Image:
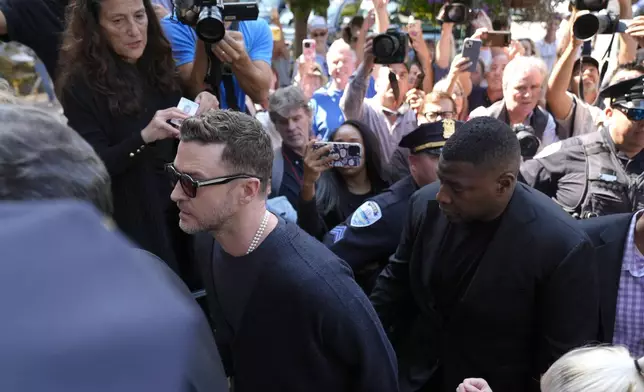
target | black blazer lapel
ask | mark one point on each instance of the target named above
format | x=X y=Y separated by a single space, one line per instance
x=609 y=261
x=426 y=247
x=518 y=213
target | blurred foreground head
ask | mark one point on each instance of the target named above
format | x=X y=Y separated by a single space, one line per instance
x=43 y=159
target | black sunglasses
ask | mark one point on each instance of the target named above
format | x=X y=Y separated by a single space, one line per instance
x=190 y=185
x=633 y=114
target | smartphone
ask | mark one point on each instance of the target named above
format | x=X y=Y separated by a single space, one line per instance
x=344 y=154
x=308 y=49
x=497 y=39
x=277 y=33
x=472 y=50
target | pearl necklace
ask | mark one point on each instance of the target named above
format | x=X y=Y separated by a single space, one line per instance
x=258 y=234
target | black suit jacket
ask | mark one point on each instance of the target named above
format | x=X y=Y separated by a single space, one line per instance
x=532 y=298
x=608 y=234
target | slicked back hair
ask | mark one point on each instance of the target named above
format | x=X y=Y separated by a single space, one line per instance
x=484 y=142
x=43 y=159
x=247 y=147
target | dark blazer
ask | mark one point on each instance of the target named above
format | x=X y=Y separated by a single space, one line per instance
x=84 y=311
x=532 y=298
x=608 y=234
x=306 y=326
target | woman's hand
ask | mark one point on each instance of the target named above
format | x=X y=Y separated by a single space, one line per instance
x=515 y=50
x=206 y=102
x=459 y=65
x=159 y=129
x=315 y=163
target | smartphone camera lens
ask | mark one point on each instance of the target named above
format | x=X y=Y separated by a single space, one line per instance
x=307 y=45
x=354 y=151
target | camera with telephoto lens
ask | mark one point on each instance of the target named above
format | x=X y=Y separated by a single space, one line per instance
x=588 y=25
x=208 y=16
x=528 y=141
x=390 y=47
x=457 y=13
x=589 y=5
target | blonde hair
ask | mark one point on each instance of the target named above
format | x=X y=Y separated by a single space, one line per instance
x=595 y=369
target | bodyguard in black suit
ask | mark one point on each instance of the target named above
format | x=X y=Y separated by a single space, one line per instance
x=609 y=235
x=491 y=278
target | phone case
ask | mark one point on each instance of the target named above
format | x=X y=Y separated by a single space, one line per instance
x=472 y=50
x=309 y=53
x=348 y=154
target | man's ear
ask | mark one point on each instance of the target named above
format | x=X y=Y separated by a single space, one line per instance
x=505 y=182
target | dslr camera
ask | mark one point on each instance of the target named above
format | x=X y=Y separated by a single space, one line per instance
x=528 y=141
x=208 y=16
x=602 y=22
x=457 y=13
x=390 y=47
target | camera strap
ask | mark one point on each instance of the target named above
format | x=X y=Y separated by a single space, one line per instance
x=220 y=73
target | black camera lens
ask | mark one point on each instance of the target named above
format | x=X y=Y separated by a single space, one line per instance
x=455 y=13
x=385 y=46
x=210 y=27
x=307 y=45
x=354 y=151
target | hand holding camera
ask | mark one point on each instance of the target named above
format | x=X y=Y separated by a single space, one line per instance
x=231 y=48
x=389 y=47
x=159 y=128
x=415 y=98
x=316 y=161
x=459 y=66
x=636 y=30
x=369 y=59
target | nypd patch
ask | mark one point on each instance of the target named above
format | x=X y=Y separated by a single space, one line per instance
x=366 y=215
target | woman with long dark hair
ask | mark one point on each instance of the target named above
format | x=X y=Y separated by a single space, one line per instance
x=330 y=195
x=118 y=86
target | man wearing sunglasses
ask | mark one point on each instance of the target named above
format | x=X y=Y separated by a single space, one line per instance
x=599 y=173
x=286 y=310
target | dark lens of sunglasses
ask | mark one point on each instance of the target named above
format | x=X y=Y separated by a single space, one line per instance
x=188 y=186
x=635 y=114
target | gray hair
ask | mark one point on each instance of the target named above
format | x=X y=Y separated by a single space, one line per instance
x=521 y=65
x=286 y=99
x=339 y=45
x=594 y=369
x=43 y=159
x=247 y=147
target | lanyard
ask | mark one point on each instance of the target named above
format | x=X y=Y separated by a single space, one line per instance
x=293 y=169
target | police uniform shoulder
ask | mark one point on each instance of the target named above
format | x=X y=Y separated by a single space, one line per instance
x=367 y=214
x=561 y=149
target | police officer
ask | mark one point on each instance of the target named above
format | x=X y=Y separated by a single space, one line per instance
x=370 y=235
x=599 y=173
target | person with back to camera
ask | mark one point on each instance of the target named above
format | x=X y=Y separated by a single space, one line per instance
x=477 y=245
x=118 y=89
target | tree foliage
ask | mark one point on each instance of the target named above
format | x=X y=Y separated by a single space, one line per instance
x=301 y=10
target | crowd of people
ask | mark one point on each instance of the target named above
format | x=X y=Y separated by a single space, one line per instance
x=486 y=232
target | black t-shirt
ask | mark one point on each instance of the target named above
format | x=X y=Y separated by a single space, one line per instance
x=37 y=24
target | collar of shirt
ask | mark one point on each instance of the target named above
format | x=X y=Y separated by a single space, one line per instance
x=292 y=155
x=633 y=259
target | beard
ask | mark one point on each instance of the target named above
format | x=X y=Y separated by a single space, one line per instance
x=213 y=221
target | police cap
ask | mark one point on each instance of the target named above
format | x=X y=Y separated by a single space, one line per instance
x=629 y=93
x=430 y=137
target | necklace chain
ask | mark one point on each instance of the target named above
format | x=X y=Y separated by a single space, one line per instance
x=258 y=234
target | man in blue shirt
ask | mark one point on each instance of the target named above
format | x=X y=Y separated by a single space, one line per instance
x=248 y=51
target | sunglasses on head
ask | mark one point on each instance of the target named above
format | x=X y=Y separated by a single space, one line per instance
x=633 y=114
x=190 y=185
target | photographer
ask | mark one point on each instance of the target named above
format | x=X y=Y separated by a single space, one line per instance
x=37 y=24
x=523 y=81
x=390 y=114
x=248 y=50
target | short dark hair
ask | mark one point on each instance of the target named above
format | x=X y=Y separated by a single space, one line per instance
x=248 y=147
x=484 y=142
x=43 y=159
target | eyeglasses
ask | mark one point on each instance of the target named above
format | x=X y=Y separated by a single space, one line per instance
x=190 y=185
x=434 y=116
x=319 y=34
x=633 y=114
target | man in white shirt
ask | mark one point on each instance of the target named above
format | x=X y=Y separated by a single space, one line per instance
x=547 y=46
